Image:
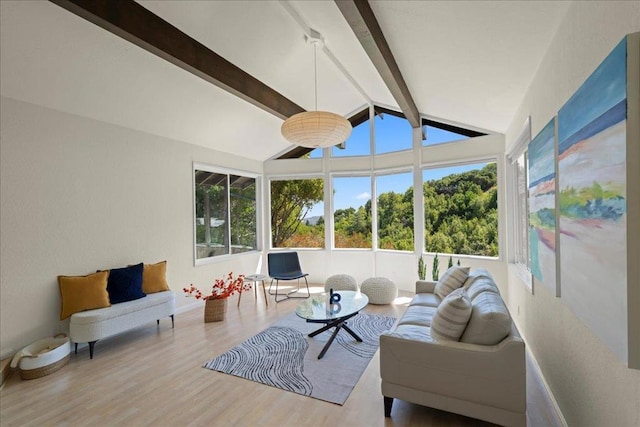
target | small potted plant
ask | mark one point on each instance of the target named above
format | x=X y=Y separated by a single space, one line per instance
x=422 y=269
x=435 y=272
x=215 y=306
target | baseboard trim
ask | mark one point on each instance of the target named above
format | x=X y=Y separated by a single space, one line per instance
x=5 y=371
x=554 y=403
x=189 y=307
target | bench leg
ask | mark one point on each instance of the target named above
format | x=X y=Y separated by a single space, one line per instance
x=91 y=344
x=172 y=322
x=388 y=402
x=76 y=351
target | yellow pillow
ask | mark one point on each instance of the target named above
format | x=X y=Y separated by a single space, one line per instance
x=154 y=278
x=81 y=293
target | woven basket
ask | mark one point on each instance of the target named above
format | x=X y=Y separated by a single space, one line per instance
x=43 y=357
x=215 y=310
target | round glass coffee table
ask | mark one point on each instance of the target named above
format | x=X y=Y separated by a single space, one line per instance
x=318 y=309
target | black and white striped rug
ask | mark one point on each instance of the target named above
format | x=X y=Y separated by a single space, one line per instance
x=283 y=356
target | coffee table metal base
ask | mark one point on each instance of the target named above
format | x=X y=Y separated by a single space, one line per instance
x=340 y=323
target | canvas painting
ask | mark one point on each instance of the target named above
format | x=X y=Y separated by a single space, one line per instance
x=592 y=201
x=542 y=207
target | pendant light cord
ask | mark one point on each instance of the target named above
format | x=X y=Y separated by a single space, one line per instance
x=315 y=73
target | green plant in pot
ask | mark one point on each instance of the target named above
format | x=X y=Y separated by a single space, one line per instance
x=422 y=269
x=435 y=272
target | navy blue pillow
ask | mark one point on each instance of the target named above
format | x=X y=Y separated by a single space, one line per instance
x=125 y=284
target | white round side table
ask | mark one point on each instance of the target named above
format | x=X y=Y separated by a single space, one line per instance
x=255 y=278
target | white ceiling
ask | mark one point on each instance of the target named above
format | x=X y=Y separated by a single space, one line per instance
x=465 y=62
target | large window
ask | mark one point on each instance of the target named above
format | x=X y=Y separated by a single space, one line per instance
x=521 y=253
x=225 y=213
x=297 y=213
x=352 y=212
x=393 y=133
x=518 y=221
x=461 y=209
x=434 y=135
x=394 y=194
x=358 y=143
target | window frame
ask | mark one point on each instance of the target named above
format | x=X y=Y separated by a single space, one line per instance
x=205 y=167
x=332 y=178
x=375 y=238
x=519 y=257
x=471 y=161
x=296 y=177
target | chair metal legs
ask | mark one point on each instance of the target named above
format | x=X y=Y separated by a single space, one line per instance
x=288 y=294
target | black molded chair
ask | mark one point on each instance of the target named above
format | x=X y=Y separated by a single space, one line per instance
x=285 y=266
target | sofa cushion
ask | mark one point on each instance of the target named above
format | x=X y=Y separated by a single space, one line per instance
x=490 y=322
x=475 y=274
x=451 y=317
x=451 y=280
x=154 y=278
x=125 y=284
x=428 y=300
x=480 y=285
x=418 y=315
x=80 y=293
x=412 y=332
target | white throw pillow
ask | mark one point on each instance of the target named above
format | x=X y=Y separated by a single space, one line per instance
x=451 y=280
x=451 y=317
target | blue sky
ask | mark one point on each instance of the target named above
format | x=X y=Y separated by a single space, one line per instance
x=391 y=134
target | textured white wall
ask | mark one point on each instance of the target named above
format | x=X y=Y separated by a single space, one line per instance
x=79 y=195
x=591 y=385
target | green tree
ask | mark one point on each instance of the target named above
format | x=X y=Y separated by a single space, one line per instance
x=291 y=201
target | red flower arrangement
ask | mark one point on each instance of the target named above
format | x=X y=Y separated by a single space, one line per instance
x=222 y=288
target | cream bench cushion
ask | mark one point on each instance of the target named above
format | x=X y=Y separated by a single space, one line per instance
x=91 y=325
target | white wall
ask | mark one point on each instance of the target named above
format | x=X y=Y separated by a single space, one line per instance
x=591 y=385
x=79 y=195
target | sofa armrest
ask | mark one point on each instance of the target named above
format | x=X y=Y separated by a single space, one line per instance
x=425 y=286
x=491 y=375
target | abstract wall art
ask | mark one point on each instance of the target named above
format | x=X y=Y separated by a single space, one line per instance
x=592 y=202
x=542 y=207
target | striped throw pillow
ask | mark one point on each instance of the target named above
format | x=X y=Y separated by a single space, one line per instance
x=452 y=315
x=451 y=280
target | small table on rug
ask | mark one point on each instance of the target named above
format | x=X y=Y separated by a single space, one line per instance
x=318 y=309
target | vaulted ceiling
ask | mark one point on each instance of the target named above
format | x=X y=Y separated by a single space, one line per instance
x=464 y=62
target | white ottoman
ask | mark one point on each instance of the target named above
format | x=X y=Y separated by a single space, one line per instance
x=380 y=290
x=341 y=282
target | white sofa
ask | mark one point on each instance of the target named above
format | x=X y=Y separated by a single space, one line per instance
x=485 y=381
x=91 y=325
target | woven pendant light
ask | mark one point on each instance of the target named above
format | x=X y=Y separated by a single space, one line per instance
x=315 y=129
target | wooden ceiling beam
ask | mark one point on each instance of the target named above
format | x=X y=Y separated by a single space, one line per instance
x=364 y=24
x=132 y=22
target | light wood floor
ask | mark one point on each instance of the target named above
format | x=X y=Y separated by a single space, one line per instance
x=153 y=376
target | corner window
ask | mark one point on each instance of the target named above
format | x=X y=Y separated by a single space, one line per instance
x=461 y=209
x=225 y=213
x=297 y=213
x=394 y=193
x=521 y=253
x=434 y=135
x=392 y=133
x=439 y=133
x=352 y=214
x=358 y=143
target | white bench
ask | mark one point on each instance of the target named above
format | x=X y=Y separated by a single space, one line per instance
x=91 y=325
